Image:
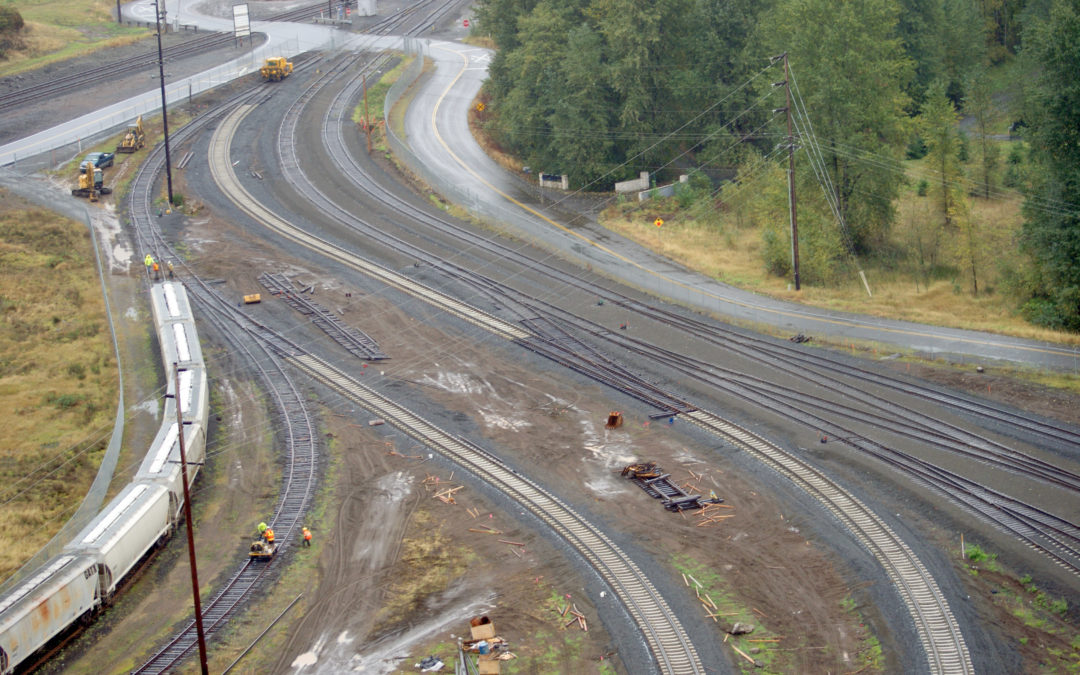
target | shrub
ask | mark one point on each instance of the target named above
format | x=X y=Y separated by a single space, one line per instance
x=10 y=20
x=917 y=149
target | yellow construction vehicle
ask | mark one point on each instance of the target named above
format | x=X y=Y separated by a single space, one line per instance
x=276 y=68
x=91 y=184
x=134 y=139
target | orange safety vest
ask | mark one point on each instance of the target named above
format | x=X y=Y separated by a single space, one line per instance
x=269 y=534
x=307 y=535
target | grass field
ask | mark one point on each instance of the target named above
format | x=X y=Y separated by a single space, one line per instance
x=58 y=382
x=732 y=252
x=57 y=30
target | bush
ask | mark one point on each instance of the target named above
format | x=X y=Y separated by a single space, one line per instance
x=11 y=24
x=963 y=153
x=917 y=149
x=924 y=187
x=10 y=20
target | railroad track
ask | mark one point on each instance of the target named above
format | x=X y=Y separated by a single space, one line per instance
x=948 y=657
x=935 y=624
x=96 y=76
x=819 y=368
x=1043 y=532
x=355 y=341
x=1038 y=529
x=263 y=350
x=662 y=630
x=937 y=628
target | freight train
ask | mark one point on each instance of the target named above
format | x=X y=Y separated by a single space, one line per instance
x=77 y=584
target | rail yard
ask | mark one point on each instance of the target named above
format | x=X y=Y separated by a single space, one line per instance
x=429 y=395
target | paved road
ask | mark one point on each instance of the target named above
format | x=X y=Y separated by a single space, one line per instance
x=437 y=133
x=446 y=152
x=283 y=39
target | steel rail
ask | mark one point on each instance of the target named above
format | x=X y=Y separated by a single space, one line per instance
x=662 y=629
x=1041 y=531
x=945 y=650
x=935 y=624
x=296 y=426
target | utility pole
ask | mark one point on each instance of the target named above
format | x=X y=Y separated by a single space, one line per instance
x=164 y=108
x=367 y=119
x=791 y=169
x=190 y=524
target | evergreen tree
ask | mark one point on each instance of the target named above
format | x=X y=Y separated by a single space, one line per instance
x=851 y=69
x=1051 y=233
x=937 y=126
x=979 y=105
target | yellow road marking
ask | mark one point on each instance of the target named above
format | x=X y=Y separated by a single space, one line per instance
x=679 y=284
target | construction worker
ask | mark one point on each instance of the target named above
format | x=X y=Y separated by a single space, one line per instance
x=307 y=537
x=157 y=271
x=268 y=535
x=262 y=528
x=169 y=267
x=149 y=260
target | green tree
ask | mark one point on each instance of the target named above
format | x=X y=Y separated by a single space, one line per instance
x=918 y=29
x=851 y=69
x=1001 y=19
x=580 y=119
x=964 y=43
x=979 y=105
x=644 y=53
x=532 y=83
x=937 y=125
x=1051 y=232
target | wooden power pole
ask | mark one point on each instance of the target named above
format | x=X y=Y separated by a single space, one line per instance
x=190 y=527
x=791 y=179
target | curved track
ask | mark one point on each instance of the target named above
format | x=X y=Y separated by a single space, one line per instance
x=263 y=350
x=935 y=624
x=662 y=630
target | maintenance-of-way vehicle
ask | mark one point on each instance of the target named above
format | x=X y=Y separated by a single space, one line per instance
x=276 y=68
x=134 y=139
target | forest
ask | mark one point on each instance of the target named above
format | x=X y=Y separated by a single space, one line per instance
x=983 y=94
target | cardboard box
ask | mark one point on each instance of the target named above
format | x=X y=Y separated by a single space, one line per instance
x=487 y=665
x=484 y=631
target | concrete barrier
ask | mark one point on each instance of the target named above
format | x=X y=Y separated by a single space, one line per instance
x=639 y=183
x=554 y=180
x=662 y=190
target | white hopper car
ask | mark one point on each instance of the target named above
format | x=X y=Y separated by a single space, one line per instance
x=79 y=582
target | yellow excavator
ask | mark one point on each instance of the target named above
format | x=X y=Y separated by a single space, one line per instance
x=276 y=69
x=134 y=139
x=91 y=184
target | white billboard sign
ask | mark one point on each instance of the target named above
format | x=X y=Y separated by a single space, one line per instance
x=241 y=23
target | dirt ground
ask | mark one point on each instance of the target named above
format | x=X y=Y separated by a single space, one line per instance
x=398 y=572
x=395 y=573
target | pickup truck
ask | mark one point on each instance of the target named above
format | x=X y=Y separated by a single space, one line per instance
x=99 y=160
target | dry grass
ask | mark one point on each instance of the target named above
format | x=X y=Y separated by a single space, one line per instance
x=430 y=562
x=733 y=255
x=57 y=30
x=58 y=383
